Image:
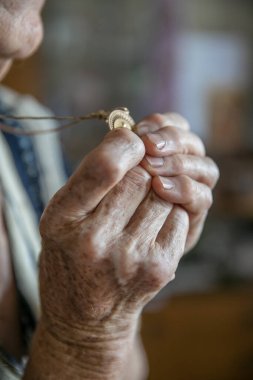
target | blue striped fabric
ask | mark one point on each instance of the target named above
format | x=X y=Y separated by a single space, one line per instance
x=26 y=162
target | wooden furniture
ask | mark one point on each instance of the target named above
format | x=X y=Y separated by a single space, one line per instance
x=202 y=337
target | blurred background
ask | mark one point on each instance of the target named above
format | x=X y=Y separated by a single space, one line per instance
x=194 y=57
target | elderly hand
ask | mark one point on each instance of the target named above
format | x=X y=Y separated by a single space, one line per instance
x=112 y=237
x=183 y=175
x=109 y=243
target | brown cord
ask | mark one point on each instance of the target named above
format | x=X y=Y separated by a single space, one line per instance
x=74 y=120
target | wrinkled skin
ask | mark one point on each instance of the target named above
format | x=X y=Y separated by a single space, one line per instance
x=129 y=231
x=114 y=234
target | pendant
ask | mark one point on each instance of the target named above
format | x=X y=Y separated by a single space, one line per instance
x=120 y=118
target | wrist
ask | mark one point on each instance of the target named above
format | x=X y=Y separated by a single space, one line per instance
x=94 y=351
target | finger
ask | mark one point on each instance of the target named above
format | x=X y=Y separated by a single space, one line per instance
x=118 y=206
x=156 y=121
x=99 y=172
x=169 y=140
x=201 y=169
x=172 y=236
x=161 y=261
x=195 y=197
x=148 y=219
x=139 y=237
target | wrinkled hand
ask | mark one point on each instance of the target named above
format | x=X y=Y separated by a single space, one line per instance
x=109 y=243
x=183 y=175
x=113 y=235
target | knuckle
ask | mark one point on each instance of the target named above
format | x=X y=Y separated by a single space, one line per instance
x=203 y=197
x=127 y=141
x=90 y=244
x=197 y=143
x=110 y=161
x=201 y=145
x=156 y=118
x=188 y=187
x=178 y=164
x=214 y=167
x=179 y=121
x=51 y=221
x=106 y=168
x=174 y=134
x=139 y=177
x=93 y=244
x=209 y=199
x=159 y=272
x=156 y=274
x=112 y=172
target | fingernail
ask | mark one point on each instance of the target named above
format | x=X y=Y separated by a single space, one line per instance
x=156 y=162
x=155 y=139
x=167 y=183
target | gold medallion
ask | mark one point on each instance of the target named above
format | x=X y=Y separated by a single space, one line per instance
x=120 y=118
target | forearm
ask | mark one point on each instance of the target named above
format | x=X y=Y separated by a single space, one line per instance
x=93 y=356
